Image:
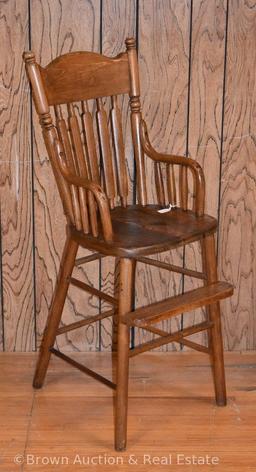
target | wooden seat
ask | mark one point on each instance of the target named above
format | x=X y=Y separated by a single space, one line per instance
x=77 y=99
x=139 y=230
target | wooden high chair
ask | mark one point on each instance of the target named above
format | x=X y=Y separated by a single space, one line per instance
x=100 y=219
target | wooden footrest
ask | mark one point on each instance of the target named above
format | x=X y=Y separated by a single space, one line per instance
x=173 y=306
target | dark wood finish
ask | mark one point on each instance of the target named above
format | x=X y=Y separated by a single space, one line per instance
x=91 y=187
x=107 y=162
x=93 y=291
x=93 y=164
x=216 y=343
x=125 y=304
x=161 y=200
x=171 y=185
x=163 y=100
x=139 y=231
x=80 y=167
x=90 y=258
x=96 y=222
x=72 y=163
x=54 y=317
x=185 y=342
x=136 y=119
x=184 y=163
x=171 y=267
x=194 y=345
x=119 y=151
x=83 y=368
x=168 y=338
x=85 y=322
x=179 y=304
x=83 y=75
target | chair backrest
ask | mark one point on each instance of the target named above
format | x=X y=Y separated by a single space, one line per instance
x=68 y=85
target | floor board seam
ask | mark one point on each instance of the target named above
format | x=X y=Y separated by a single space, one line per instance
x=28 y=428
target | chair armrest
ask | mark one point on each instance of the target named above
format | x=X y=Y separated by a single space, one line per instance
x=93 y=187
x=195 y=168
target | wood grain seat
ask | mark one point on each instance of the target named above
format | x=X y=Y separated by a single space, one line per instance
x=139 y=230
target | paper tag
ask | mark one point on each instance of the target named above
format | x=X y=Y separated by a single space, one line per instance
x=169 y=208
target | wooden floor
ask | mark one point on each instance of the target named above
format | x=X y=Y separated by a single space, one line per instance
x=171 y=412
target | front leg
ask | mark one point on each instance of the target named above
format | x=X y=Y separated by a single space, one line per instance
x=123 y=345
x=55 y=312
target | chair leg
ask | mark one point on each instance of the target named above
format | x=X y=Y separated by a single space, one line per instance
x=123 y=339
x=116 y=294
x=215 y=337
x=55 y=312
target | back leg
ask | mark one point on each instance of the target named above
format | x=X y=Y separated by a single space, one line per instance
x=215 y=335
x=55 y=312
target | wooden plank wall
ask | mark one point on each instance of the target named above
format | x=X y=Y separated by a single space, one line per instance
x=164 y=89
x=198 y=64
x=16 y=183
x=237 y=235
x=208 y=40
x=118 y=23
x=57 y=28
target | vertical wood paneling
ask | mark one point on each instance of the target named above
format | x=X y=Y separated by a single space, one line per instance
x=58 y=27
x=237 y=245
x=163 y=32
x=205 y=115
x=1 y=294
x=15 y=181
x=164 y=65
x=118 y=23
